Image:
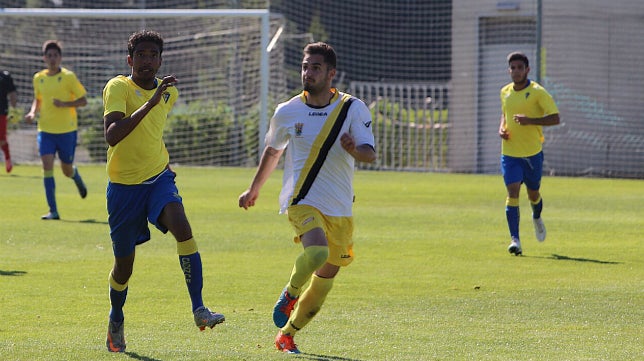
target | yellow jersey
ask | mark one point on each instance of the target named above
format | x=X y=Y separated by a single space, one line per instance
x=533 y=101
x=63 y=86
x=142 y=154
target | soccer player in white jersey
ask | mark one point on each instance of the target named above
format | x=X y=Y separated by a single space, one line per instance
x=526 y=108
x=323 y=131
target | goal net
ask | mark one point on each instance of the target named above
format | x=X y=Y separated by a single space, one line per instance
x=218 y=56
x=430 y=71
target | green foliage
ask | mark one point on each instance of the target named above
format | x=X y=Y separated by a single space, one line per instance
x=90 y=129
x=432 y=279
x=317 y=28
x=197 y=133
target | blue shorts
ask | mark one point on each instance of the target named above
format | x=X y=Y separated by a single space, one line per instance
x=525 y=170
x=130 y=207
x=63 y=143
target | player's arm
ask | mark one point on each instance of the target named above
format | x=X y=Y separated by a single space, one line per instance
x=503 y=131
x=35 y=108
x=117 y=126
x=551 y=119
x=362 y=153
x=267 y=164
x=80 y=102
x=13 y=98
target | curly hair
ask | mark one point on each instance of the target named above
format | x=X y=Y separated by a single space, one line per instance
x=144 y=36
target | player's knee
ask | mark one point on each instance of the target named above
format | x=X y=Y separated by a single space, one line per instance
x=316 y=255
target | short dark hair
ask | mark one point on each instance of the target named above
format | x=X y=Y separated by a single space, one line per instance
x=52 y=44
x=517 y=55
x=144 y=36
x=323 y=49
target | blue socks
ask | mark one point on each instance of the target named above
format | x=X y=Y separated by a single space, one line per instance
x=536 y=208
x=192 y=270
x=50 y=191
x=118 y=294
x=513 y=216
x=117 y=300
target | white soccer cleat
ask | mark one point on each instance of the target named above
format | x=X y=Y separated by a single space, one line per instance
x=515 y=247
x=539 y=229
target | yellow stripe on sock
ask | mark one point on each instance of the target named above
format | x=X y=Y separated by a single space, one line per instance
x=187 y=248
x=115 y=285
x=512 y=202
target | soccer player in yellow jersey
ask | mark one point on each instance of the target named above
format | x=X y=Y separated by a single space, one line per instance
x=57 y=94
x=141 y=186
x=526 y=107
x=324 y=132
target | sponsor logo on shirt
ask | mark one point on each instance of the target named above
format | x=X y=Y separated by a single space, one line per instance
x=318 y=114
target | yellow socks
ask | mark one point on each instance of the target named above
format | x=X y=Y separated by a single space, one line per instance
x=309 y=304
x=306 y=263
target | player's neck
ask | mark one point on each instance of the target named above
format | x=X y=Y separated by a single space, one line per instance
x=147 y=84
x=54 y=71
x=321 y=99
x=522 y=85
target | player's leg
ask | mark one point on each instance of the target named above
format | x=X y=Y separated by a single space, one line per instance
x=308 y=306
x=66 y=153
x=172 y=217
x=308 y=224
x=47 y=149
x=340 y=242
x=118 y=281
x=4 y=144
x=512 y=176
x=128 y=226
x=533 y=185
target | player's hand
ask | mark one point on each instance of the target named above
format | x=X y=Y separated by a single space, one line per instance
x=348 y=143
x=29 y=118
x=168 y=81
x=59 y=103
x=522 y=119
x=247 y=199
x=503 y=133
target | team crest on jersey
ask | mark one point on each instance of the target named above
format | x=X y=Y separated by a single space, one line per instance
x=527 y=95
x=298 y=129
x=166 y=96
x=137 y=92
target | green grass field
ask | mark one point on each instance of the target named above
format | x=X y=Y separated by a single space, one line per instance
x=432 y=279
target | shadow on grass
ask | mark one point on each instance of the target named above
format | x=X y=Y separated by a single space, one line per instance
x=559 y=257
x=90 y=221
x=12 y=273
x=14 y=175
x=310 y=356
x=136 y=356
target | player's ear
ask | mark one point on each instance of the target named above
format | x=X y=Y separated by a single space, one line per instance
x=129 y=60
x=332 y=73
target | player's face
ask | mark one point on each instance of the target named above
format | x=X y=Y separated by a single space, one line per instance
x=518 y=71
x=145 y=61
x=316 y=76
x=53 y=59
